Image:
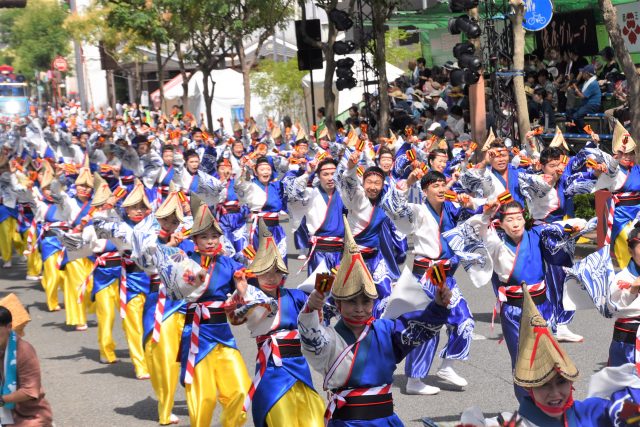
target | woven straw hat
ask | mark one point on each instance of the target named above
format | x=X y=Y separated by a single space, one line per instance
x=102 y=191
x=203 y=219
x=558 y=140
x=276 y=132
x=20 y=316
x=171 y=204
x=540 y=357
x=353 y=277
x=84 y=176
x=490 y=138
x=136 y=196
x=622 y=141
x=268 y=256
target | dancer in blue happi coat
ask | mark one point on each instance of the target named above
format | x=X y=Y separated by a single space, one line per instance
x=362 y=198
x=357 y=356
x=426 y=222
x=322 y=208
x=282 y=392
x=266 y=198
x=231 y=215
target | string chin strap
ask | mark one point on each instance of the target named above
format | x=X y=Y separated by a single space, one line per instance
x=554 y=411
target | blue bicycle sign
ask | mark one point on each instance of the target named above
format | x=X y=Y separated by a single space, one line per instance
x=537 y=14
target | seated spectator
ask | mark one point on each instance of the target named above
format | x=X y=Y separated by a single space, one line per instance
x=589 y=95
x=544 y=82
x=610 y=64
x=22 y=403
x=455 y=121
x=543 y=112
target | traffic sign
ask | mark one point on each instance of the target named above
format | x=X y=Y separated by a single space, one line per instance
x=60 y=64
x=537 y=14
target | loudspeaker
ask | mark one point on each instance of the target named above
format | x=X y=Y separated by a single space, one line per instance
x=309 y=57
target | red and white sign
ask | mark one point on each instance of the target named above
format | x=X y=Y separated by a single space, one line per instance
x=60 y=64
x=629 y=22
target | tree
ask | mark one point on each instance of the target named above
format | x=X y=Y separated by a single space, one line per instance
x=36 y=35
x=396 y=54
x=255 y=20
x=518 y=64
x=381 y=11
x=624 y=58
x=279 y=83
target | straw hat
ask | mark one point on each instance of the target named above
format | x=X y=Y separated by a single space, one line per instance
x=84 y=176
x=102 y=191
x=540 y=357
x=268 y=256
x=237 y=127
x=136 y=196
x=171 y=204
x=276 y=132
x=398 y=94
x=324 y=133
x=19 y=315
x=301 y=135
x=490 y=138
x=558 y=140
x=353 y=277
x=622 y=141
x=203 y=219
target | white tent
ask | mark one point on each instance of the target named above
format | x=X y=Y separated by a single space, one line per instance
x=228 y=96
x=344 y=98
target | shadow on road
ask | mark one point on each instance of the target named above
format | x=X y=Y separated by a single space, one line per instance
x=143 y=410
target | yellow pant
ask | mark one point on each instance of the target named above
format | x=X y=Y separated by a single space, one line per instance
x=106 y=306
x=221 y=375
x=163 y=365
x=299 y=407
x=75 y=274
x=52 y=280
x=621 y=247
x=132 y=326
x=8 y=228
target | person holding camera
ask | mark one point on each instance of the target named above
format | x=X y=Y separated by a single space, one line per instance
x=589 y=94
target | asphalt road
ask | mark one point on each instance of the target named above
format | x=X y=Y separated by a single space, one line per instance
x=83 y=392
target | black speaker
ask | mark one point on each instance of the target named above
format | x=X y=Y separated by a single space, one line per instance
x=309 y=57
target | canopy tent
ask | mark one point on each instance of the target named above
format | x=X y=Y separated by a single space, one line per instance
x=228 y=96
x=345 y=98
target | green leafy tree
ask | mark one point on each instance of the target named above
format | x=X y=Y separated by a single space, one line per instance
x=280 y=85
x=396 y=54
x=255 y=20
x=35 y=35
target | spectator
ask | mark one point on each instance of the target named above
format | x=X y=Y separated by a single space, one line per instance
x=354 y=116
x=589 y=94
x=610 y=64
x=543 y=112
x=544 y=82
x=26 y=406
x=455 y=121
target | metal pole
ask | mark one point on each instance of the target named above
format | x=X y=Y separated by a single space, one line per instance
x=79 y=64
x=313 y=98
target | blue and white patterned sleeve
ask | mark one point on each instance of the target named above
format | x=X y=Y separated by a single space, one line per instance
x=416 y=327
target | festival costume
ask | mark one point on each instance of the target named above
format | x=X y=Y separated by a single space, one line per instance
x=322 y=214
x=231 y=215
x=358 y=371
x=431 y=248
x=366 y=219
x=9 y=215
x=623 y=345
x=266 y=202
x=624 y=182
x=282 y=378
x=211 y=365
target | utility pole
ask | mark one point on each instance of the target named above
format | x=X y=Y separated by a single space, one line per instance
x=82 y=90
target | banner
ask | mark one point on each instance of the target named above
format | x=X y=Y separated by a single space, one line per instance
x=572 y=29
x=629 y=23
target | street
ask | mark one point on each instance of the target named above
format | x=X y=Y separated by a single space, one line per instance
x=82 y=392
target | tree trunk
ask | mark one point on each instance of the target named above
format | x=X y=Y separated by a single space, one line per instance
x=379 y=61
x=185 y=79
x=477 y=99
x=208 y=96
x=138 y=85
x=624 y=58
x=160 y=71
x=518 y=64
x=329 y=95
x=246 y=81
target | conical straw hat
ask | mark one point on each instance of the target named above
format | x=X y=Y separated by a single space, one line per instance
x=490 y=138
x=102 y=191
x=558 y=140
x=171 y=204
x=540 y=357
x=268 y=256
x=84 y=176
x=622 y=141
x=136 y=196
x=353 y=277
x=203 y=219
